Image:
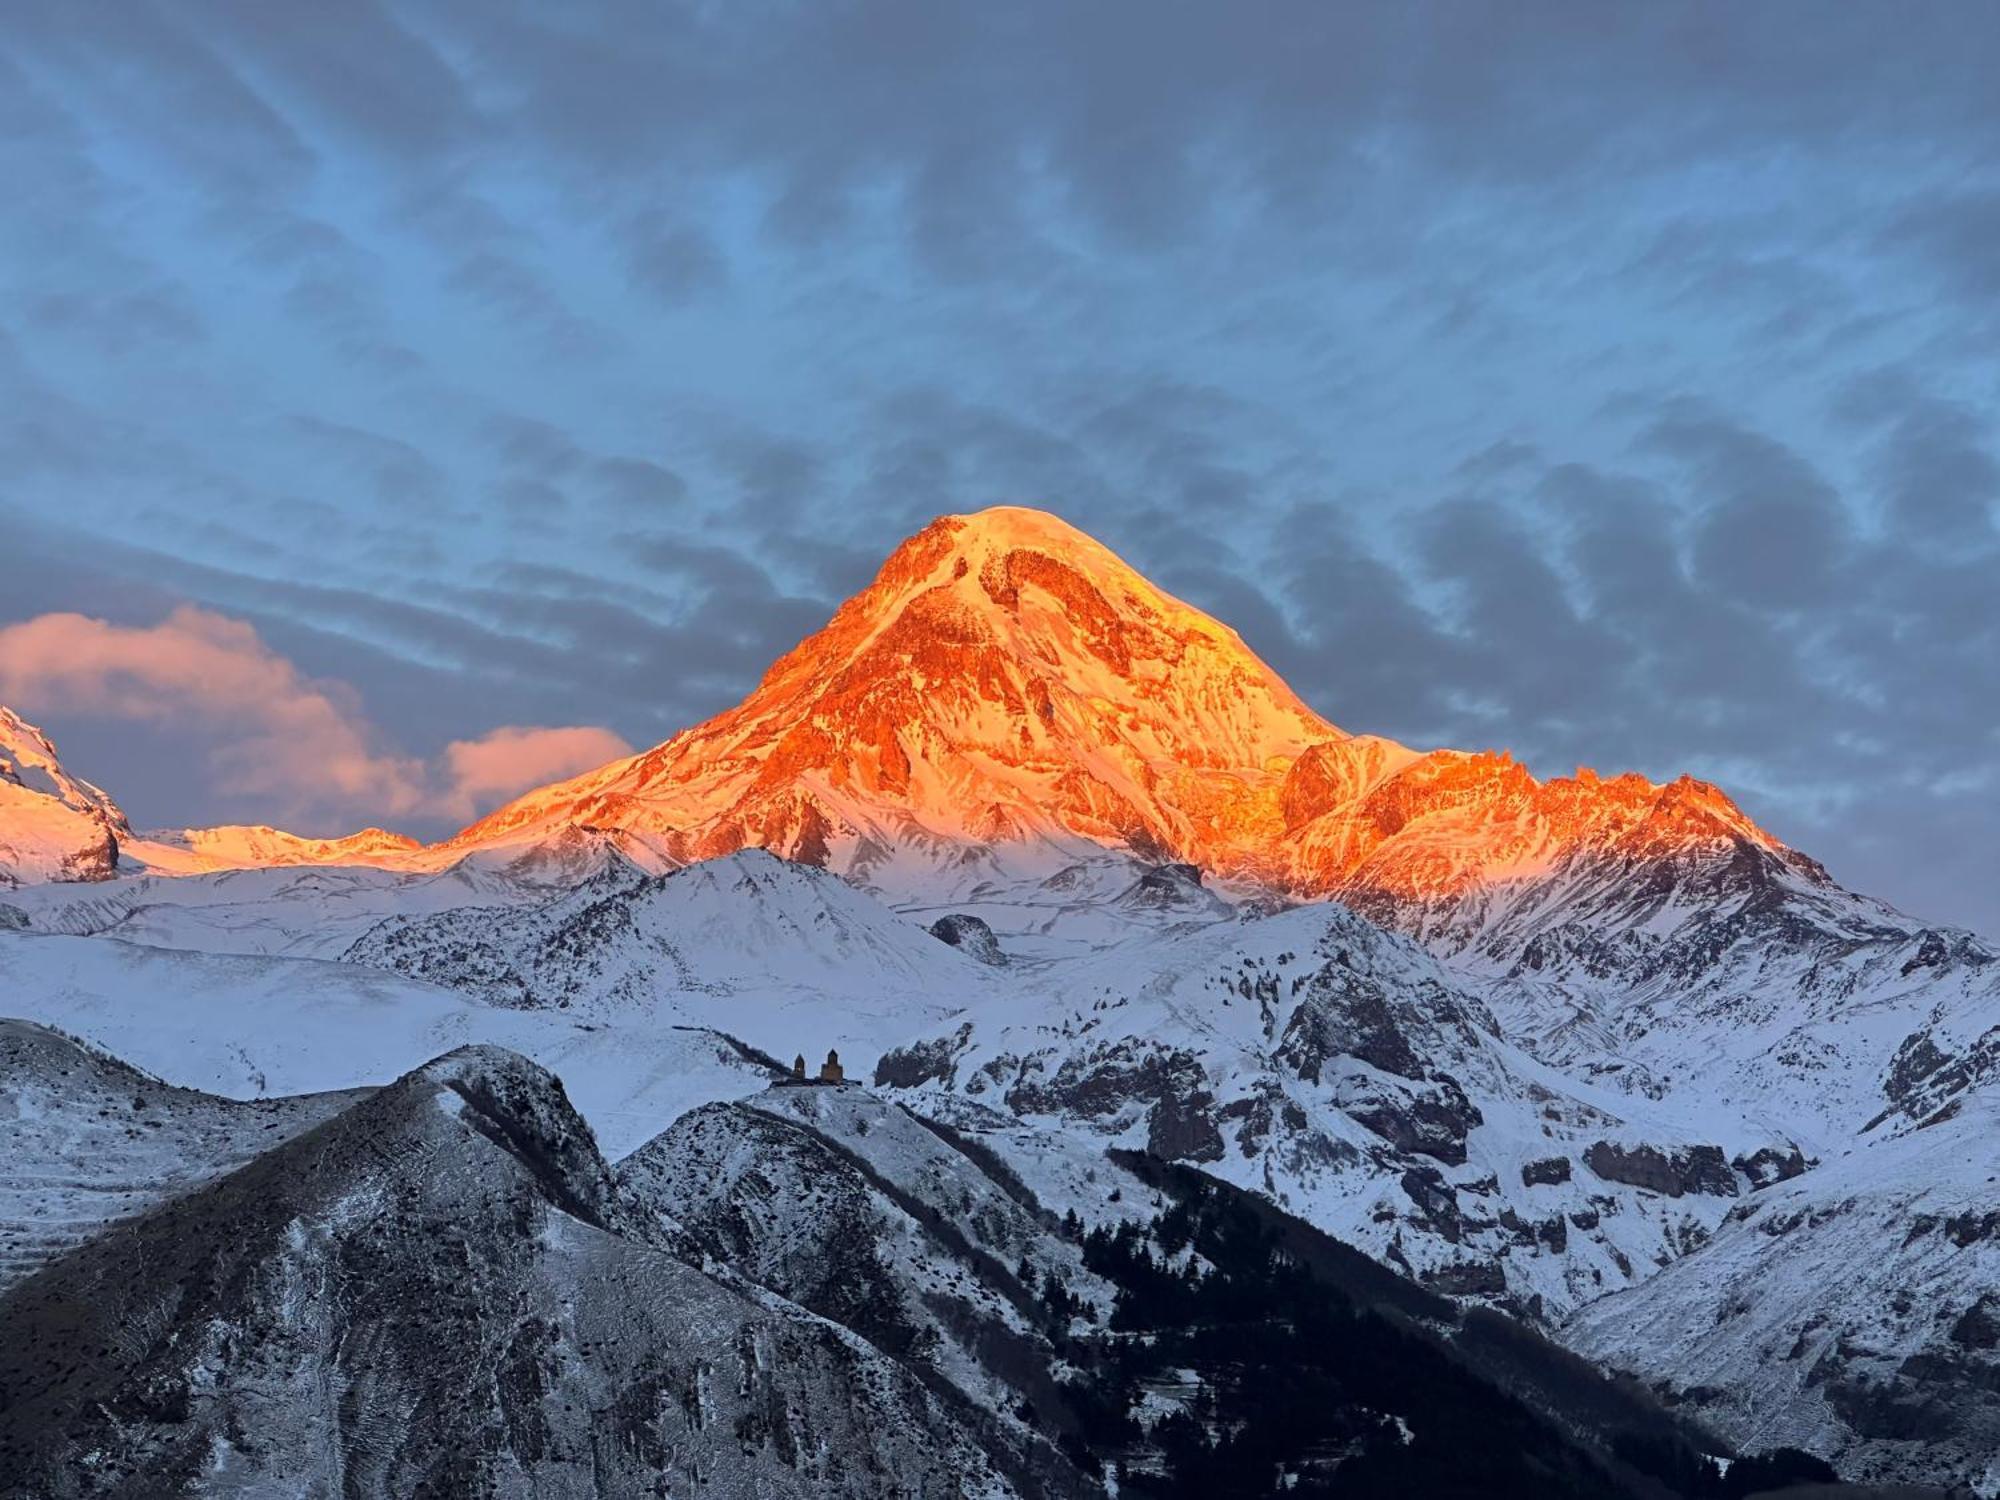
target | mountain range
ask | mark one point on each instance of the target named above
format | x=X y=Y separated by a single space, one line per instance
x=1142 y=969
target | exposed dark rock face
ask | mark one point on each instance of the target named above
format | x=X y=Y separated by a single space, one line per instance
x=97 y=862
x=1182 y=1127
x=1978 y=1327
x=1939 y=950
x=1097 y=1082
x=1467 y=1278
x=1257 y=1117
x=1103 y=1082
x=1545 y=1173
x=971 y=934
x=1428 y=1119
x=1435 y=1201
x=933 y=1061
x=1924 y=1079
x=1173 y=887
x=1769 y=1164
x=1345 y=1017
x=1692 y=1169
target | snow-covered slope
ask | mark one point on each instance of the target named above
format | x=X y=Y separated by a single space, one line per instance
x=1003 y=679
x=1006 y=682
x=785 y=955
x=187 y=851
x=442 y=1287
x=57 y=827
x=308 y=911
x=853 y=1208
x=750 y=921
x=92 y=1139
x=1341 y=1071
x=1616 y=1012
x=1008 y=700
x=1853 y=1312
x=252 y=1027
x=1812 y=1012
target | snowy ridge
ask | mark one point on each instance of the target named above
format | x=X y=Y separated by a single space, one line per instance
x=187 y=851
x=1007 y=682
x=854 y=1209
x=785 y=955
x=94 y=1140
x=441 y=1288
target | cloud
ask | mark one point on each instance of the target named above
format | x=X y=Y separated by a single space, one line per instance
x=281 y=735
x=273 y=736
x=1959 y=235
x=675 y=262
x=512 y=759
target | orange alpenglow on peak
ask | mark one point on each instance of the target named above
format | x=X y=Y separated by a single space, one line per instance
x=1009 y=695
x=1006 y=681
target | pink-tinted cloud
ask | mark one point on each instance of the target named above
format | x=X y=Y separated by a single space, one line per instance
x=280 y=736
x=483 y=773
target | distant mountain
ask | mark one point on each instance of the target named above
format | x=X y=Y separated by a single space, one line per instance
x=58 y=827
x=1007 y=681
x=238 y=846
x=1008 y=697
x=52 y=826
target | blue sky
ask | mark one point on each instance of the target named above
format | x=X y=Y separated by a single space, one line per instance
x=1615 y=385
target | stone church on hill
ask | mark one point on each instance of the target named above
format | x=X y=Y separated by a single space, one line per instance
x=830 y=1071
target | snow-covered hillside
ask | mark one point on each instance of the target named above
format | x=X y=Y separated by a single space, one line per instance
x=442 y=1290
x=855 y=1209
x=749 y=923
x=1854 y=1311
x=1343 y=1072
x=248 y=1028
x=93 y=1140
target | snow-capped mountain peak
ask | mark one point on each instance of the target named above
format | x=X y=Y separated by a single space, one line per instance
x=1006 y=681
x=1004 y=678
x=53 y=826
